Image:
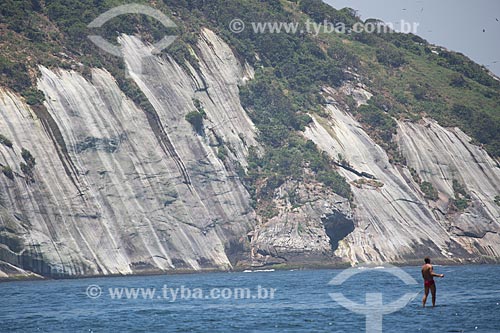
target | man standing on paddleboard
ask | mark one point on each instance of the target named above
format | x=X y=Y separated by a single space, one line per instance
x=429 y=284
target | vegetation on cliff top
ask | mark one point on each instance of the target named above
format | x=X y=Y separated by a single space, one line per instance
x=408 y=77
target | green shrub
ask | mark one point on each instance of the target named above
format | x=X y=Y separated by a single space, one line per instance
x=420 y=92
x=5 y=141
x=195 y=118
x=457 y=81
x=320 y=12
x=221 y=153
x=198 y=106
x=463 y=65
x=28 y=172
x=28 y=165
x=460 y=204
x=401 y=97
x=28 y=158
x=342 y=55
x=429 y=191
x=336 y=182
x=33 y=96
x=459 y=189
x=390 y=56
x=268 y=210
x=462 y=198
x=462 y=112
x=7 y=171
x=415 y=176
x=180 y=52
x=15 y=74
x=381 y=123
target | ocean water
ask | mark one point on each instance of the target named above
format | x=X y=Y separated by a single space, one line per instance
x=468 y=300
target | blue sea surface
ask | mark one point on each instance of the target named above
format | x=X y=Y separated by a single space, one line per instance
x=468 y=300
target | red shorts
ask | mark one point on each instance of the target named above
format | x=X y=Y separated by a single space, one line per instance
x=428 y=283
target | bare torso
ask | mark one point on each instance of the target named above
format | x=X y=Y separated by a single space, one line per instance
x=427 y=272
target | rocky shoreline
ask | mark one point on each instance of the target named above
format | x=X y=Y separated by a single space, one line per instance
x=241 y=268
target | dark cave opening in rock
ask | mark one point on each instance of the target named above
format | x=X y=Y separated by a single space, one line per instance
x=337 y=227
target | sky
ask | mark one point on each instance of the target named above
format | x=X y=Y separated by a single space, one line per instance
x=455 y=24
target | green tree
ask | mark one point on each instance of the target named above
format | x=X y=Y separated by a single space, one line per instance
x=195 y=118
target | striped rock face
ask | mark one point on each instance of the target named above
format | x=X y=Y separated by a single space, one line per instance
x=119 y=190
x=394 y=220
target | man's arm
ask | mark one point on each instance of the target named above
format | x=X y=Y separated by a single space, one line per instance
x=435 y=274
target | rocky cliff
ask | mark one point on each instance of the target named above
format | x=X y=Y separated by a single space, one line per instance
x=394 y=220
x=114 y=189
